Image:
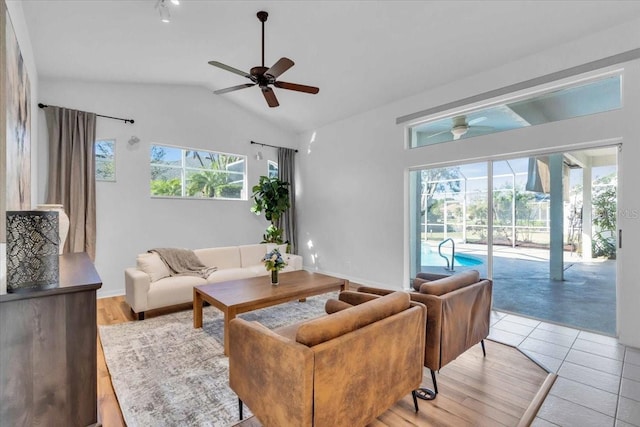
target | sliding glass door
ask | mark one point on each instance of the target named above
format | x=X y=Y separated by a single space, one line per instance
x=547 y=238
x=450 y=219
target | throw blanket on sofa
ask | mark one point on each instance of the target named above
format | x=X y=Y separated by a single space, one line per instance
x=183 y=262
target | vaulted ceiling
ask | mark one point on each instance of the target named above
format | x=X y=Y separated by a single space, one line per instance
x=362 y=54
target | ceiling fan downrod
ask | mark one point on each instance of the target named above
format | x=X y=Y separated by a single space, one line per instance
x=262 y=16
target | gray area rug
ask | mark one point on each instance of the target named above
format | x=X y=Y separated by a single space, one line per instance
x=166 y=373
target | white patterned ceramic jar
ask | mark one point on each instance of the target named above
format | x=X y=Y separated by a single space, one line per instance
x=63 y=221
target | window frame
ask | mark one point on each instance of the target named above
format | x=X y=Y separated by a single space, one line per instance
x=186 y=170
x=97 y=142
x=411 y=127
x=272 y=164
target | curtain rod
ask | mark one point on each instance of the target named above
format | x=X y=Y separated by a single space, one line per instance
x=41 y=105
x=267 y=145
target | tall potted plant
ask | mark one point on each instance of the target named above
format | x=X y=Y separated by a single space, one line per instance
x=271 y=196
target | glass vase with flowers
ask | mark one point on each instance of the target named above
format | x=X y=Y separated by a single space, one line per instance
x=274 y=262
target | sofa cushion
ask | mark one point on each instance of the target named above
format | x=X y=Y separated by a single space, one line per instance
x=288 y=331
x=450 y=283
x=172 y=290
x=252 y=254
x=282 y=248
x=335 y=305
x=228 y=257
x=229 y=274
x=152 y=264
x=323 y=329
x=425 y=277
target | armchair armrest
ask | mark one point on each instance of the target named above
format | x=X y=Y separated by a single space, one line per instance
x=355 y=298
x=375 y=291
x=347 y=299
x=431 y=276
x=137 y=284
x=272 y=374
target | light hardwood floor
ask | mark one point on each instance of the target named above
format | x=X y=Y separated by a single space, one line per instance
x=473 y=391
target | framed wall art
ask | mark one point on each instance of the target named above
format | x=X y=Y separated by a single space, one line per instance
x=16 y=91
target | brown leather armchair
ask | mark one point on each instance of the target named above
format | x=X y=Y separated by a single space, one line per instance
x=458 y=311
x=343 y=369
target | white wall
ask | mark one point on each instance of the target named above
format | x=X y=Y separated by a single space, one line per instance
x=352 y=202
x=129 y=221
x=351 y=186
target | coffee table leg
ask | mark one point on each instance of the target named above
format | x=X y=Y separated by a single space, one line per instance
x=229 y=315
x=197 y=309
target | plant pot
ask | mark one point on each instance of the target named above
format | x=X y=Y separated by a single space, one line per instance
x=274 y=277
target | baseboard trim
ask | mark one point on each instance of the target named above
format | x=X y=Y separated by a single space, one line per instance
x=352 y=279
x=109 y=294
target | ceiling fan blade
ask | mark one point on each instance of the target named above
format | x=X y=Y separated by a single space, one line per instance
x=233 y=70
x=439 y=133
x=232 y=88
x=270 y=96
x=482 y=128
x=478 y=120
x=279 y=67
x=297 y=87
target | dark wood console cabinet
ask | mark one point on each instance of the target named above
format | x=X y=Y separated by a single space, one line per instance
x=48 y=357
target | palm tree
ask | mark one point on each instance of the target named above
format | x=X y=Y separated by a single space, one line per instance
x=206 y=182
x=215 y=181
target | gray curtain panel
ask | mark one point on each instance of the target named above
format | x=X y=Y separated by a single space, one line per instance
x=287 y=173
x=72 y=181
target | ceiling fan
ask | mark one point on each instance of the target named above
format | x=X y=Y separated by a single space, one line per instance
x=460 y=127
x=264 y=77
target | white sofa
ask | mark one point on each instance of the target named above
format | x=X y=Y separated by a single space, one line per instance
x=150 y=286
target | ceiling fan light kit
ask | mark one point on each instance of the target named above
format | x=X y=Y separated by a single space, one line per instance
x=459 y=130
x=461 y=126
x=265 y=77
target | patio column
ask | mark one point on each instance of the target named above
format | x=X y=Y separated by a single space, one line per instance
x=556 y=229
x=587 y=207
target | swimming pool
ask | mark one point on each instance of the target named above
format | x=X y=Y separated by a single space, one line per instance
x=430 y=257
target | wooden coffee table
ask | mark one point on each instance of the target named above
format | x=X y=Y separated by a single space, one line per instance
x=243 y=295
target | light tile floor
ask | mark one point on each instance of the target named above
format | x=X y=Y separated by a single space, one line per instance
x=598 y=380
